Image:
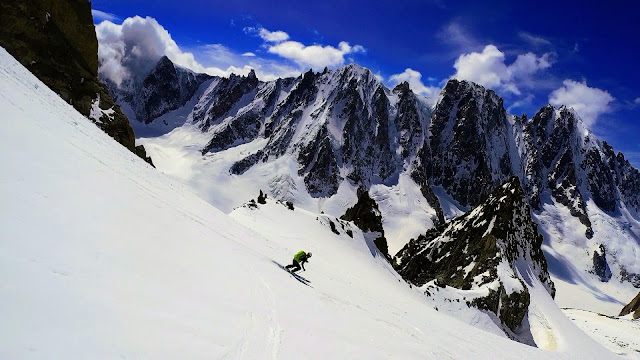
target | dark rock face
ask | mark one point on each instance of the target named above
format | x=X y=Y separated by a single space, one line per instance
x=414 y=144
x=469 y=142
x=633 y=278
x=562 y=180
x=482 y=249
x=321 y=174
x=624 y=176
x=167 y=87
x=56 y=41
x=367 y=217
x=600 y=265
x=239 y=167
x=632 y=307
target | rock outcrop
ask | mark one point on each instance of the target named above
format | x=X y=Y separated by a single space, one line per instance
x=490 y=251
x=632 y=307
x=600 y=265
x=366 y=216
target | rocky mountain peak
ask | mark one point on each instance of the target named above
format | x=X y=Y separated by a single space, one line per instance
x=252 y=75
x=165 y=88
x=165 y=63
x=402 y=88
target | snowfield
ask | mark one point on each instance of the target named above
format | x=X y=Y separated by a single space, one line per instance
x=102 y=256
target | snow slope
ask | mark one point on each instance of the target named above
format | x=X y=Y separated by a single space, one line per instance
x=102 y=256
x=608 y=330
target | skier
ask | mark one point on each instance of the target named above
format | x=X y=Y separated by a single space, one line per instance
x=298 y=261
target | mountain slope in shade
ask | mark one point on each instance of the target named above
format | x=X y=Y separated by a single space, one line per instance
x=90 y=279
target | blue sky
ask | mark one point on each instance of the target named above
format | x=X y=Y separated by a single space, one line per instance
x=585 y=54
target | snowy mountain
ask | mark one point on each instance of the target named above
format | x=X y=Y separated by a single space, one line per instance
x=105 y=257
x=164 y=88
x=322 y=136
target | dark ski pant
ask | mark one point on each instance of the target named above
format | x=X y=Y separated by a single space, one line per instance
x=295 y=266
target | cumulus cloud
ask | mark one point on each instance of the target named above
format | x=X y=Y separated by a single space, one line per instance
x=273 y=36
x=588 y=102
x=132 y=48
x=316 y=56
x=101 y=15
x=414 y=78
x=488 y=68
x=266 y=35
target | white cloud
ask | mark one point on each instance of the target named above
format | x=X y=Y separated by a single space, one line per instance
x=637 y=101
x=135 y=46
x=534 y=40
x=456 y=35
x=316 y=56
x=588 y=102
x=273 y=36
x=101 y=15
x=249 y=54
x=266 y=35
x=488 y=68
x=414 y=78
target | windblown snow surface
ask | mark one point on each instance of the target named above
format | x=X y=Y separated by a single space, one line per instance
x=102 y=256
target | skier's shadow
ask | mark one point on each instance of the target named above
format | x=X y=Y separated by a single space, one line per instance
x=296 y=276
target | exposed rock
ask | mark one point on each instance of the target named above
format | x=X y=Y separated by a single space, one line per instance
x=632 y=307
x=262 y=198
x=483 y=251
x=600 y=265
x=56 y=41
x=320 y=173
x=239 y=167
x=469 y=142
x=366 y=216
x=633 y=278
